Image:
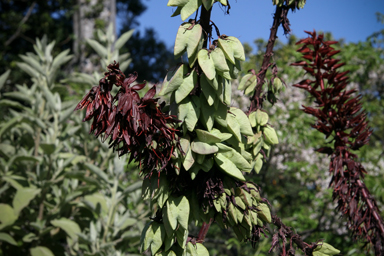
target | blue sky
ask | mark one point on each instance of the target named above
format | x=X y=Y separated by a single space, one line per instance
x=353 y=20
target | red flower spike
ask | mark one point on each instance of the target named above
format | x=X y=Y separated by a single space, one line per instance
x=132 y=123
x=337 y=112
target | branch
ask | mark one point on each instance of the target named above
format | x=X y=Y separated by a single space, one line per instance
x=256 y=100
x=26 y=17
x=286 y=232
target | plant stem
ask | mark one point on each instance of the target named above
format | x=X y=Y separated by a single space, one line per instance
x=256 y=101
x=205 y=18
x=203 y=231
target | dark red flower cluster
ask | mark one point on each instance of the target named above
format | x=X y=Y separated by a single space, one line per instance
x=339 y=115
x=134 y=125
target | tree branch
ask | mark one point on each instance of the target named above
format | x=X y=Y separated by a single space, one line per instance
x=18 y=31
x=256 y=100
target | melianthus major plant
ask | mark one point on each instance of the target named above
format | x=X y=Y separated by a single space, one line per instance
x=193 y=153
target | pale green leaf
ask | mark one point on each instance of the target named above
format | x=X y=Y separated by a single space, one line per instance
x=187 y=39
x=261 y=117
x=69 y=226
x=237 y=46
x=23 y=197
x=326 y=249
x=207 y=137
x=41 y=251
x=208 y=4
x=208 y=114
x=177 y=2
x=97 y=171
x=227 y=86
x=207 y=89
x=173 y=80
x=270 y=135
x=221 y=115
x=7 y=216
x=223 y=136
x=233 y=126
x=226 y=46
x=206 y=64
x=242 y=119
x=101 y=50
x=258 y=163
x=123 y=39
x=247 y=81
x=7 y=238
x=218 y=58
x=28 y=69
x=234 y=156
x=188 y=160
x=223 y=2
x=264 y=213
x=4 y=77
x=60 y=59
x=178 y=211
x=228 y=166
x=203 y=148
x=186 y=87
x=189 y=8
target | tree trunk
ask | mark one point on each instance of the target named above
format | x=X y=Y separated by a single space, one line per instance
x=88 y=16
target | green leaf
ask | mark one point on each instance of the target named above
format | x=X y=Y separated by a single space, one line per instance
x=223 y=2
x=258 y=163
x=69 y=226
x=208 y=4
x=242 y=119
x=4 y=77
x=97 y=171
x=177 y=2
x=326 y=249
x=188 y=160
x=206 y=64
x=181 y=237
x=223 y=136
x=207 y=137
x=60 y=59
x=234 y=126
x=264 y=213
x=246 y=81
x=270 y=135
x=186 y=87
x=218 y=58
x=207 y=89
x=156 y=237
x=123 y=39
x=7 y=216
x=41 y=251
x=101 y=50
x=178 y=212
x=221 y=115
x=261 y=117
x=228 y=166
x=203 y=148
x=189 y=8
x=227 y=86
x=226 y=46
x=23 y=197
x=48 y=148
x=27 y=69
x=208 y=114
x=237 y=47
x=173 y=80
x=235 y=157
x=191 y=248
x=187 y=38
x=177 y=11
x=7 y=238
